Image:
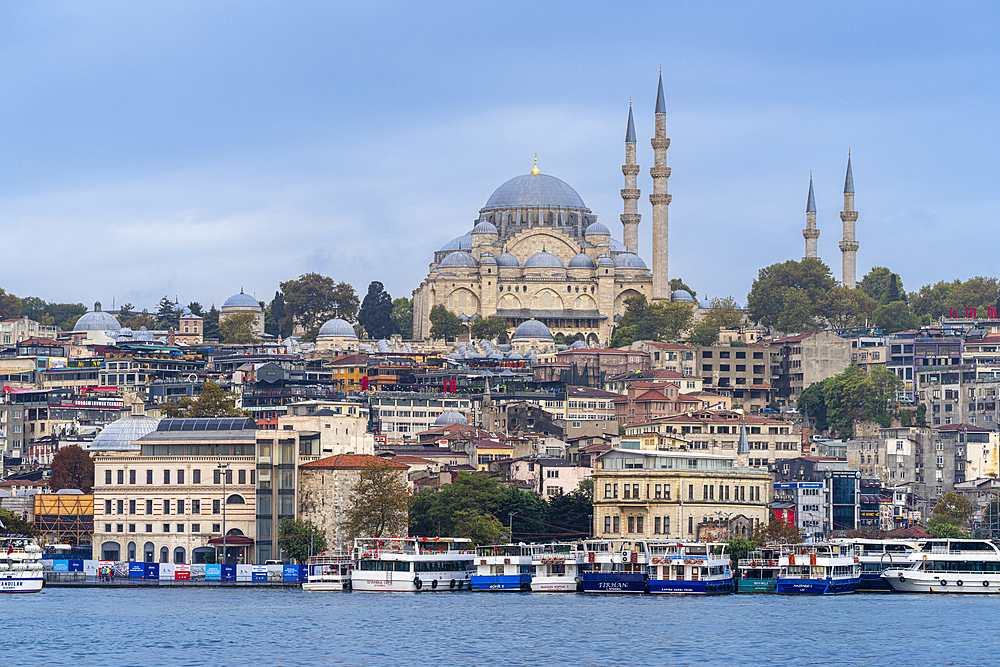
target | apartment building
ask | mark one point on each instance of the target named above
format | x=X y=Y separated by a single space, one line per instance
x=799 y=361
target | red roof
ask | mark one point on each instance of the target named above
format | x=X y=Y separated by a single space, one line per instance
x=793 y=339
x=962 y=427
x=351 y=462
x=410 y=460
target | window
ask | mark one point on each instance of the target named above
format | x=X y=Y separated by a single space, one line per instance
x=166 y=506
x=180 y=506
x=121 y=507
x=149 y=527
x=149 y=477
x=166 y=477
x=635 y=491
x=666 y=491
x=690 y=525
x=131 y=476
x=658 y=491
x=121 y=477
x=217 y=477
x=656 y=526
x=607 y=524
x=666 y=525
x=180 y=476
x=195 y=527
x=166 y=528
x=631 y=524
x=131 y=508
x=617 y=524
x=628 y=491
x=131 y=528
x=107 y=507
x=607 y=490
x=107 y=528
x=690 y=491
x=120 y=527
x=180 y=528
x=638 y=524
x=216 y=507
x=243 y=476
x=149 y=507
x=107 y=477
x=216 y=528
x=196 y=476
x=195 y=507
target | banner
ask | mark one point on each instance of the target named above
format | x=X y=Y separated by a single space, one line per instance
x=258 y=572
x=166 y=571
x=182 y=572
x=290 y=573
x=60 y=566
x=228 y=572
x=135 y=570
x=213 y=572
x=244 y=573
x=151 y=571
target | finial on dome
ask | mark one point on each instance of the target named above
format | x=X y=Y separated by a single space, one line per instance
x=534 y=170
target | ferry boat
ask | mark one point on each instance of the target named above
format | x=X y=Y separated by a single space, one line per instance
x=615 y=566
x=503 y=567
x=758 y=572
x=411 y=564
x=948 y=566
x=819 y=568
x=20 y=565
x=879 y=555
x=557 y=567
x=689 y=568
x=329 y=572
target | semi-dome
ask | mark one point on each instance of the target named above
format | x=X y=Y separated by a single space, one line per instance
x=531 y=329
x=485 y=227
x=451 y=417
x=617 y=246
x=581 y=261
x=535 y=191
x=627 y=260
x=463 y=242
x=336 y=329
x=508 y=260
x=597 y=228
x=119 y=435
x=543 y=260
x=242 y=300
x=682 y=295
x=457 y=259
x=97 y=320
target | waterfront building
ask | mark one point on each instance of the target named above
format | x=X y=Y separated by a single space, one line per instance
x=834 y=505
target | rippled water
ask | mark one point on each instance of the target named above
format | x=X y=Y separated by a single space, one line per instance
x=200 y=626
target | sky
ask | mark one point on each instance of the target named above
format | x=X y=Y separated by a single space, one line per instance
x=191 y=149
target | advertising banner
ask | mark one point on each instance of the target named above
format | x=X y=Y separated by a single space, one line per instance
x=290 y=573
x=244 y=573
x=259 y=572
x=166 y=571
x=152 y=570
x=182 y=572
x=76 y=566
x=213 y=572
x=228 y=572
x=60 y=566
x=135 y=570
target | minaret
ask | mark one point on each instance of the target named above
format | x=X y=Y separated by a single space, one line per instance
x=630 y=193
x=849 y=246
x=810 y=232
x=660 y=199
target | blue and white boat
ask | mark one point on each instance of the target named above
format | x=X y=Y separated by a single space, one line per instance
x=411 y=564
x=20 y=565
x=879 y=555
x=556 y=567
x=819 y=568
x=615 y=566
x=689 y=568
x=503 y=567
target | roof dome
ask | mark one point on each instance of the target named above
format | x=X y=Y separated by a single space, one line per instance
x=485 y=227
x=508 y=260
x=627 y=260
x=459 y=258
x=681 y=295
x=579 y=345
x=119 y=435
x=487 y=259
x=705 y=303
x=241 y=300
x=461 y=243
x=604 y=260
x=618 y=246
x=543 y=260
x=597 y=228
x=451 y=417
x=97 y=320
x=336 y=329
x=581 y=261
x=535 y=191
x=531 y=329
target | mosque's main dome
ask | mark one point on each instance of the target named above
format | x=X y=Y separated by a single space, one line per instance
x=535 y=191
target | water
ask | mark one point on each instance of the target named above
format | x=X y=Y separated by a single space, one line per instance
x=204 y=626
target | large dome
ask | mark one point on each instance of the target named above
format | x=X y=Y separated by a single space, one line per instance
x=458 y=259
x=336 y=329
x=535 y=191
x=543 y=260
x=532 y=329
x=118 y=436
x=451 y=417
x=241 y=300
x=97 y=320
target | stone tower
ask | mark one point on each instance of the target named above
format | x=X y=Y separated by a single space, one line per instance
x=810 y=232
x=849 y=246
x=660 y=199
x=630 y=193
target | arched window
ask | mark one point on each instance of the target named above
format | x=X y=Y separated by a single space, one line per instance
x=234 y=532
x=147 y=552
x=179 y=555
x=164 y=555
x=235 y=499
x=131 y=552
x=110 y=551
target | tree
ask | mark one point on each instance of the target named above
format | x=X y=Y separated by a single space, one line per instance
x=664 y=320
x=895 y=316
x=312 y=298
x=379 y=502
x=376 y=312
x=33 y=308
x=238 y=328
x=529 y=512
x=723 y=314
x=933 y=300
x=10 y=306
x=855 y=396
x=299 y=539
x=277 y=319
x=167 y=314
x=72 y=468
x=15 y=525
x=571 y=512
x=978 y=293
x=445 y=324
x=402 y=317
x=478 y=526
x=848 y=307
x=739 y=548
x=432 y=513
x=789 y=296
x=942 y=528
x=953 y=507
x=125 y=312
x=213 y=401
x=492 y=328
x=196 y=309
x=677 y=283
x=210 y=325
x=65 y=315
x=883 y=286
x=776 y=532
x=812 y=403
x=798 y=312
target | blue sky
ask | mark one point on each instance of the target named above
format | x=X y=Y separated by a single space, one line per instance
x=191 y=149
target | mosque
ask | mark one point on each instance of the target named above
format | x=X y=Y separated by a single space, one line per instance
x=536 y=252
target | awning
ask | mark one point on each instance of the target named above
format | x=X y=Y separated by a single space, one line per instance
x=233 y=541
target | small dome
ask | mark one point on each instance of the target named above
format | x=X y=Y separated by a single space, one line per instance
x=627 y=260
x=461 y=243
x=604 y=260
x=118 y=436
x=704 y=304
x=578 y=345
x=531 y=329
x=535 y=191
x=485 y=227
x=543 y=260
x=496 y=356
x=337 y=329
x=242 y=301
x=451 y=417
x=508 y=260
x=487 y=259
x=681 y=295
x=459 y=259
x=597 y=228
x=581 y=261
x=618 y=246
x=97 y=320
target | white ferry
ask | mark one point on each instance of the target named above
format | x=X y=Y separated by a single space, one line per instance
x=876 y=556
x=411 y=564
x=329 y=572
x=948 y=566
x=615 y=566
x=503 y=567
x=20 y=565
x=557 y=567
x=818 y=568
x=689 y=568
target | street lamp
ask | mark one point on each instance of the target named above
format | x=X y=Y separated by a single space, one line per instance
x=223 y=469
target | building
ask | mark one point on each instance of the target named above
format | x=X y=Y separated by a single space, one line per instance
x=21 y=329
x=244 y=303
x=799 y=361
x=583 y=366
x=342 y=426
x=546 y=477
x=666 y=356
x=646 y=401
x=190 y=329
x=65 y=517
x=687 y=384
x=833 y=505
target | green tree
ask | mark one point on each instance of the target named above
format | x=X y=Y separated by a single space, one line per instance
x=723 y=314
x=238 y=328
x=480 y=527
x=942 y=528
x=677 y=283
x=278 y=318
x=445 y=324
x=933 y=300
x=167 y=314
x=432 y=513
x=855 y=396
x=213 y=401
x=71 y=468
x=776 y=532
x=196 y=309
x=740 y=548
x=376 y=312
x=210 y=325
x=953 y=507
x=883 y=286
x=789 y=296
x=798 y=313
x=492 y=328
x=572 y=512
x=848 y=307
x=895 y=316
x=812 y=403
x=978 y=293
x=664 y=320
x=125 y=312
x=402 y=317
x=379 y=502
x=16 y=525
x=529 y=512
x=65 y=315
x=33 y=308
x=10 y=306
x=299 y=539
x=312 y=299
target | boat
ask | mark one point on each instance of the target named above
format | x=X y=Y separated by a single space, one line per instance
x=948 y=566
x=758 y=572
x=614 y=566
x=877 y=556
x=503 y=567
x=412 y=564
x=818 y=568
x=329 y=572
x=557 y=567
x=20 y=564
x=689 y=568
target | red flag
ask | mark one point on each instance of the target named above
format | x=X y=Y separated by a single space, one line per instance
x=10 y=547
